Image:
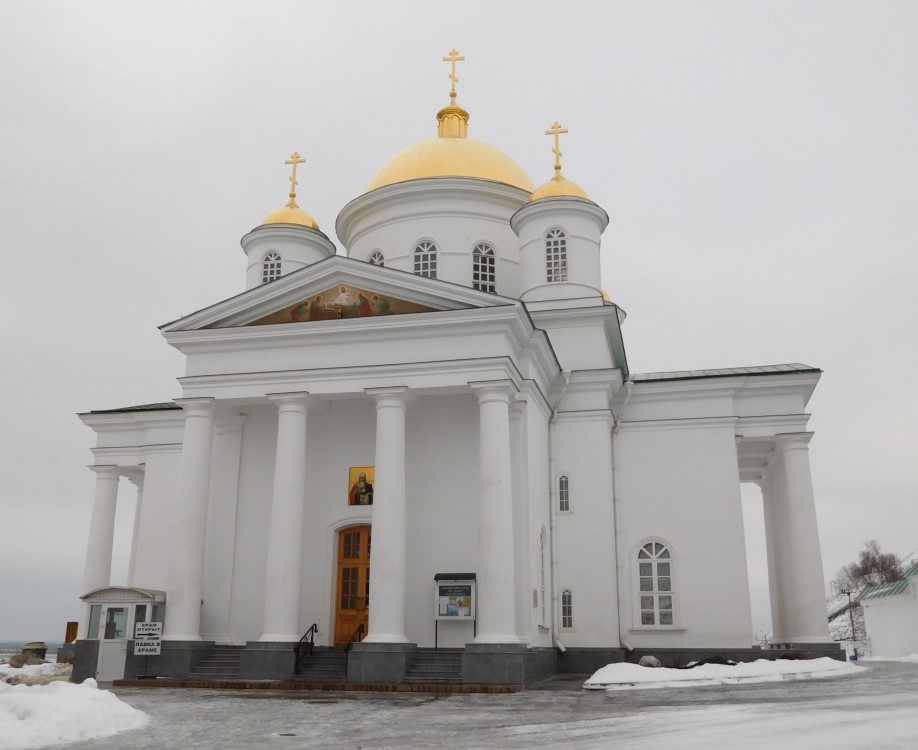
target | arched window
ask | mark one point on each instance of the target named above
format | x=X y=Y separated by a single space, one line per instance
x=655 y=584
x=484 y=270
x=376 y=258
x=564 y=498
x=425 y=259
x=555 y=256
x=567 y=609
x=270 y=267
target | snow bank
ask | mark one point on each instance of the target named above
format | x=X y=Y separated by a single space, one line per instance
x=910 y=659
x=35 y=674
x=33 y=716
x=629 y=676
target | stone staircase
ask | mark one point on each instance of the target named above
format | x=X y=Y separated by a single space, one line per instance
x=436 y=666
x=324 y=665
x=220 y=664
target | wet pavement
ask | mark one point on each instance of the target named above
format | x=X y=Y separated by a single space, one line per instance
x=877 y=708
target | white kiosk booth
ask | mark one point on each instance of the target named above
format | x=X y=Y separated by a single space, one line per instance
x=114 y=613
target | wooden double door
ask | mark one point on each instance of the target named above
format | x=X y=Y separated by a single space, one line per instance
x=352 y=599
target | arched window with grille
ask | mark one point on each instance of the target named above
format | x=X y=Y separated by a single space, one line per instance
x=564 y=495
x=567 y=609
x=655 y=584
x=377 y=258
x=484 y=268
x=425 y=259
x=270 y=267
x=555 y=256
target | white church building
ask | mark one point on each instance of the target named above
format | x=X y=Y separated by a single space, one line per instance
x=435 y=440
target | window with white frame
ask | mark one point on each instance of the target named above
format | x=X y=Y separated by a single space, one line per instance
x=655 y=584
x=484 y=269
x=270 y=267
x=564 y=496
x=567 y=609
x=377 y=258
x=555 y=256
x=425 y=259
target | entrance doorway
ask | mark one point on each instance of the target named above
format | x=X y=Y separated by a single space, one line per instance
x=352 y=600
x=113 y=643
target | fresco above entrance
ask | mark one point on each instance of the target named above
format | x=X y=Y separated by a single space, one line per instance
x=342 y=301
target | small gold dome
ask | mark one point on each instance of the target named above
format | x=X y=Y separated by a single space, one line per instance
x=606 y=298
x=558 y=187
x=451 y=157
x=291 y=214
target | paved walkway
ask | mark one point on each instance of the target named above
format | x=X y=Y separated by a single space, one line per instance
x=876 y=709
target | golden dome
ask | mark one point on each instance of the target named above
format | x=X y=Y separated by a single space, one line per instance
x=606 y=298
x=451 y=157
x=291 y=214
x=558 y=186
x=451 y=154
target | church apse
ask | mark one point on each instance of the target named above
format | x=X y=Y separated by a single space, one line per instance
x=342 y=301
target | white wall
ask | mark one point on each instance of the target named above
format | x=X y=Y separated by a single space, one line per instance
x=892 y=624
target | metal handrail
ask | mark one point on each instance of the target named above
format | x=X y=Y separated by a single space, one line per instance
x=355 y=638
x=305 y=645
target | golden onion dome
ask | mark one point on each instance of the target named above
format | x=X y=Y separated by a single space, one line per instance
x=291 y=214
x=451 y=154
x=558 y=187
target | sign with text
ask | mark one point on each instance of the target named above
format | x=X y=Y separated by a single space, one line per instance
x=147 y=648
x=455 y=600
x=148 y=630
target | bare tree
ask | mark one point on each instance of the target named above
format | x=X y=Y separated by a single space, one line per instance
x=873 y=566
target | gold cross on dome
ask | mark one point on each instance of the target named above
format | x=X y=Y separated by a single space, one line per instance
x=294 y=160
x=453 y=58
x=556 y=131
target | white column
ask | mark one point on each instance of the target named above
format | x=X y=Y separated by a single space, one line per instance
x=496 y=604
x=98 y=568
x=773 y=508
x=283 y=581
x=185 y=591
x=137 y=480
x=387 y=572
x=804 y=603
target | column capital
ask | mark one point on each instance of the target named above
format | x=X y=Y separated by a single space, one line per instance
x=397 y=395
x=793 y=441
x=494 y=390
x=287 y=402
x=105 y=470
x=201 y=406
x=291 y=396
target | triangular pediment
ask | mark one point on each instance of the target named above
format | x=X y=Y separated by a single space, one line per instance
x=338 y=288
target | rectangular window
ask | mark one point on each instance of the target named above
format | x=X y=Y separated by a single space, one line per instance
x=567 y=610
x=564 y=499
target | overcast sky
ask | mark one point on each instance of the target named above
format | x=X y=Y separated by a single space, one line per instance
x=758 y=160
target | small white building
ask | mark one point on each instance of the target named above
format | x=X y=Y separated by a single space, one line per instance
x=891 y=615
x=456 y=385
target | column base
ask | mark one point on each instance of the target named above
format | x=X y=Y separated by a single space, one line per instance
x=267 y=660
x=494 y=664
x=379 y=662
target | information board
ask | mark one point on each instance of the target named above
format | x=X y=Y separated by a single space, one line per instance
x=147 y=638
x=455 y=600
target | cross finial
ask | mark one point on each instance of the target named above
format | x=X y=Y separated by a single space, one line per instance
x=294 y=160
x=556 y=131
x=453 y=58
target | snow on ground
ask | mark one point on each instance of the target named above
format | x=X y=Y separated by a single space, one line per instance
x=38 y=715
x=910 y=659
x=35 y=674
x=630 y=676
